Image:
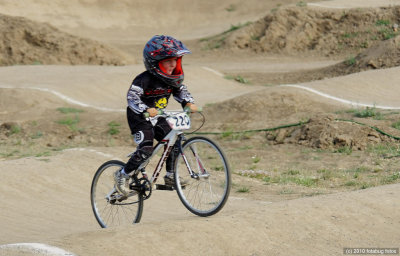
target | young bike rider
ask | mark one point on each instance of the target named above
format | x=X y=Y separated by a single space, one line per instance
x=149 y=92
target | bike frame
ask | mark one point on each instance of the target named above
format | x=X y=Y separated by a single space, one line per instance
x=167 y=143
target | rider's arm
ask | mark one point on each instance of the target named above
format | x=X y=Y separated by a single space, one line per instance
x=134 y=99
x=183 y=96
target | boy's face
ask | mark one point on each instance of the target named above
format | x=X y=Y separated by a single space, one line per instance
x=169 y=65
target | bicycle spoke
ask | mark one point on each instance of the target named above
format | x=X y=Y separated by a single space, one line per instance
x=115 y=210
x=203 y=196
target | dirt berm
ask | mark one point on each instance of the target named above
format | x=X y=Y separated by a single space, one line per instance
x=23 y=41
x=302 y=30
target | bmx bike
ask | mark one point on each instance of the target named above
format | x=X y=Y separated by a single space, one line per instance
x=200 y=163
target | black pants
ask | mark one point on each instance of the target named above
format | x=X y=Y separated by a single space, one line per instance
x=144 y=134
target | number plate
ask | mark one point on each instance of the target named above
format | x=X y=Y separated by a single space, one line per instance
x=180 y=121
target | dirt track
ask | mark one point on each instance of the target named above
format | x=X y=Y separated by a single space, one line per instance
x=45 y=197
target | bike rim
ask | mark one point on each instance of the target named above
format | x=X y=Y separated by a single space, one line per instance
x=208 y=193
x=110 y=213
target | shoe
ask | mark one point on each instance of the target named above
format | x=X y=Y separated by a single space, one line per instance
x=122 y=182
x=170 y=180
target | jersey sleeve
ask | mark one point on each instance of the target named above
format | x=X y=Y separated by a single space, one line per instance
x=134 y=99
x=183 y=96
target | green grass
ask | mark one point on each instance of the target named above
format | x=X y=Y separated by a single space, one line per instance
x=384 y=149
x=41 y=154
x=350 y=183
x=113 y=128
x=367 y=112
x=301 y=4
x=382 y=23
x=243 y=190
x=238 y=78
x=391 y=178
x=15 y=129
x=292 y=172
x=344 y=150
x=69 y=110
x=71 y=122
x=256 y=159
x=350 y=61
x=388 y=33
x=396 y=125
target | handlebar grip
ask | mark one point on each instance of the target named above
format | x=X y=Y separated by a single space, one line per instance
x=187 y=109
x=147 y=114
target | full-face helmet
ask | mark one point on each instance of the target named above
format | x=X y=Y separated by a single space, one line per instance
x=163 y=47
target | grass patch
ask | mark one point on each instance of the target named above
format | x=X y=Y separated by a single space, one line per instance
x=71 y=122
x=388 y=33
x=382 y=23
x=350 y=61
x=396 y=125
x=69 y=110
x=301 y=4
x=256 y=159
x=42 y=154
x=229 y=134
x=15 y=129
x=350 y=35
x=113 y=128
x=292 y=172
x=391 y=178
x=350 y=183
x=384 y=149
x=243 y=190
x=344 y=150
x=367 y=112
x=238 y=78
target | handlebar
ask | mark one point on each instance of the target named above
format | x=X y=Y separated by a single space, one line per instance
x=162 y=112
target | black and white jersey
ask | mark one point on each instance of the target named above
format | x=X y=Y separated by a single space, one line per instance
x=147 y=91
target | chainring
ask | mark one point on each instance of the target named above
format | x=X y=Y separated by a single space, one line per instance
x=145 y=188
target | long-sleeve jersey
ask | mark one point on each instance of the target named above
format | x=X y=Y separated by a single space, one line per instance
x=147 y=91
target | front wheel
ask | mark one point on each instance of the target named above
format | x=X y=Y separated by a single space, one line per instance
x=110 y=207
x=205 y=170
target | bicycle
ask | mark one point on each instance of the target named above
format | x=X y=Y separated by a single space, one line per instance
x=200 y=162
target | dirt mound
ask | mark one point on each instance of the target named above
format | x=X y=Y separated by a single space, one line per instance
x=385 y=54
x=279 y=107
x=27 y=42
x=326 y=132
x=264 y=109
x=301 y=30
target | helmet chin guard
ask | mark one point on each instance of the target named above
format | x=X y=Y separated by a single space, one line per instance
x=163 y=47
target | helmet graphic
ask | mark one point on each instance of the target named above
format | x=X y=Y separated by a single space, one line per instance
x=163 y=47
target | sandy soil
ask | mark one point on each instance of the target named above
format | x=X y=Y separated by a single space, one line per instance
x=45 y=179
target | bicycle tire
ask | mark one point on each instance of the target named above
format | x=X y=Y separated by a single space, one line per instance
x=207 y=194
x=111 y=213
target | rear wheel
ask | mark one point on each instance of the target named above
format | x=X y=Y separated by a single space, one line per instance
x=110 y=207
x=208 y=186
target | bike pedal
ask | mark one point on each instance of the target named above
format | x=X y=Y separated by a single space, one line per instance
x=164 y=187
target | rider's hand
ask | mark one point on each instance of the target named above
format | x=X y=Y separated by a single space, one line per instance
x=193 y=108
x=152 y=112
